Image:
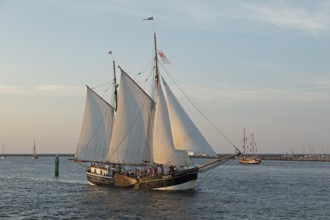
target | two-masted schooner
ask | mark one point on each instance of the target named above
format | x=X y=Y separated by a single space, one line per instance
x=141 y=141
x=249 y=158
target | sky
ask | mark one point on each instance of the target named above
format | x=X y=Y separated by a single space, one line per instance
x=259 y=65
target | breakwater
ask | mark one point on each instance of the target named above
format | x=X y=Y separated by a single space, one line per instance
x=292 y=157
x=298 y=157
x=40 y=155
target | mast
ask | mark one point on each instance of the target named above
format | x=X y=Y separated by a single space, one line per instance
x=244 y=139
x=114 y=82
x=115 y=85
x=156 y=63
x=253 y=144
x=34 y=146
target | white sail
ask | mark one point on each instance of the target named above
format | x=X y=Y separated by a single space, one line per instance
x=96 y=128
x=186 y=135
x=163 y=146
x=132 y=134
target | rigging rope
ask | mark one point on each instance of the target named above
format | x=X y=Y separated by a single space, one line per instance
x=102 y=85
x=81 y=164
x=146 y=80
x=145 y=69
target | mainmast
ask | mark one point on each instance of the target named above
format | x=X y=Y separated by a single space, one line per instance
x=114 y=82
x=115 y=85
x=156 y=63
x=155 y=86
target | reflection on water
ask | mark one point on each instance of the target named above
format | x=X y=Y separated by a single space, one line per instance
x=273 y=189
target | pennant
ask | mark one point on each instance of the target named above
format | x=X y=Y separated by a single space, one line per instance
x=163 y=57
x=149 y=19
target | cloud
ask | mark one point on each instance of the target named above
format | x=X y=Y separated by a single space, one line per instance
x=310 y=17
x=42 y=90
x=237 y=94
x=309 y=20
x=322 y=82
x=59 y=90
x=13 y=90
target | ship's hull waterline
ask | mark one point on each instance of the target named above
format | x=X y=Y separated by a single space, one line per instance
x=178 y=181
x=99 y=180
x=173 y=182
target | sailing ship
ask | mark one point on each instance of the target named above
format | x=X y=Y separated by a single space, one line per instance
x=141 y=141
x=3 y=152
x=34 y=151
x=249 y=158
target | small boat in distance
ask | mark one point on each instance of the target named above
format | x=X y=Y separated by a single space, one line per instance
x=34 y=151
x=249 y=158
x=3 y=152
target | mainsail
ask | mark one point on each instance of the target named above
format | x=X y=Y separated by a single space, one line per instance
x=186 y=135
x=96 y=128
x=164 y=151
x=132 y=136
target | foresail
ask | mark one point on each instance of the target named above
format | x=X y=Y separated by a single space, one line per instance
x=163 y=147
x=132 y=134
x=96 y=128
x=186 y=135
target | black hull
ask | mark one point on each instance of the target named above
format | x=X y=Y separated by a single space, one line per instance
x=99 y=180
x=175 y=181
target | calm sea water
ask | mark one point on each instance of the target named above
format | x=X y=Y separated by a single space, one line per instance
x=271 y=190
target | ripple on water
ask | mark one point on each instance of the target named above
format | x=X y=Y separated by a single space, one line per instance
x=274 y=189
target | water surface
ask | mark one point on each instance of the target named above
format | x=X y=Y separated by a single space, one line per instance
x=271 y=190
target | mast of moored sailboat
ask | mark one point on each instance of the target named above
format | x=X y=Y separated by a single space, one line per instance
x=244 y=140
x=253 y=143
x=34 y=146
x=34 y=153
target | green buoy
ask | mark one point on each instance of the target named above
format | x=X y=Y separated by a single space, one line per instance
x=57 y=165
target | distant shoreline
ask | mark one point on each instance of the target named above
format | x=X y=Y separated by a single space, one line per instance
x=287 y=157
x=40 y=155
